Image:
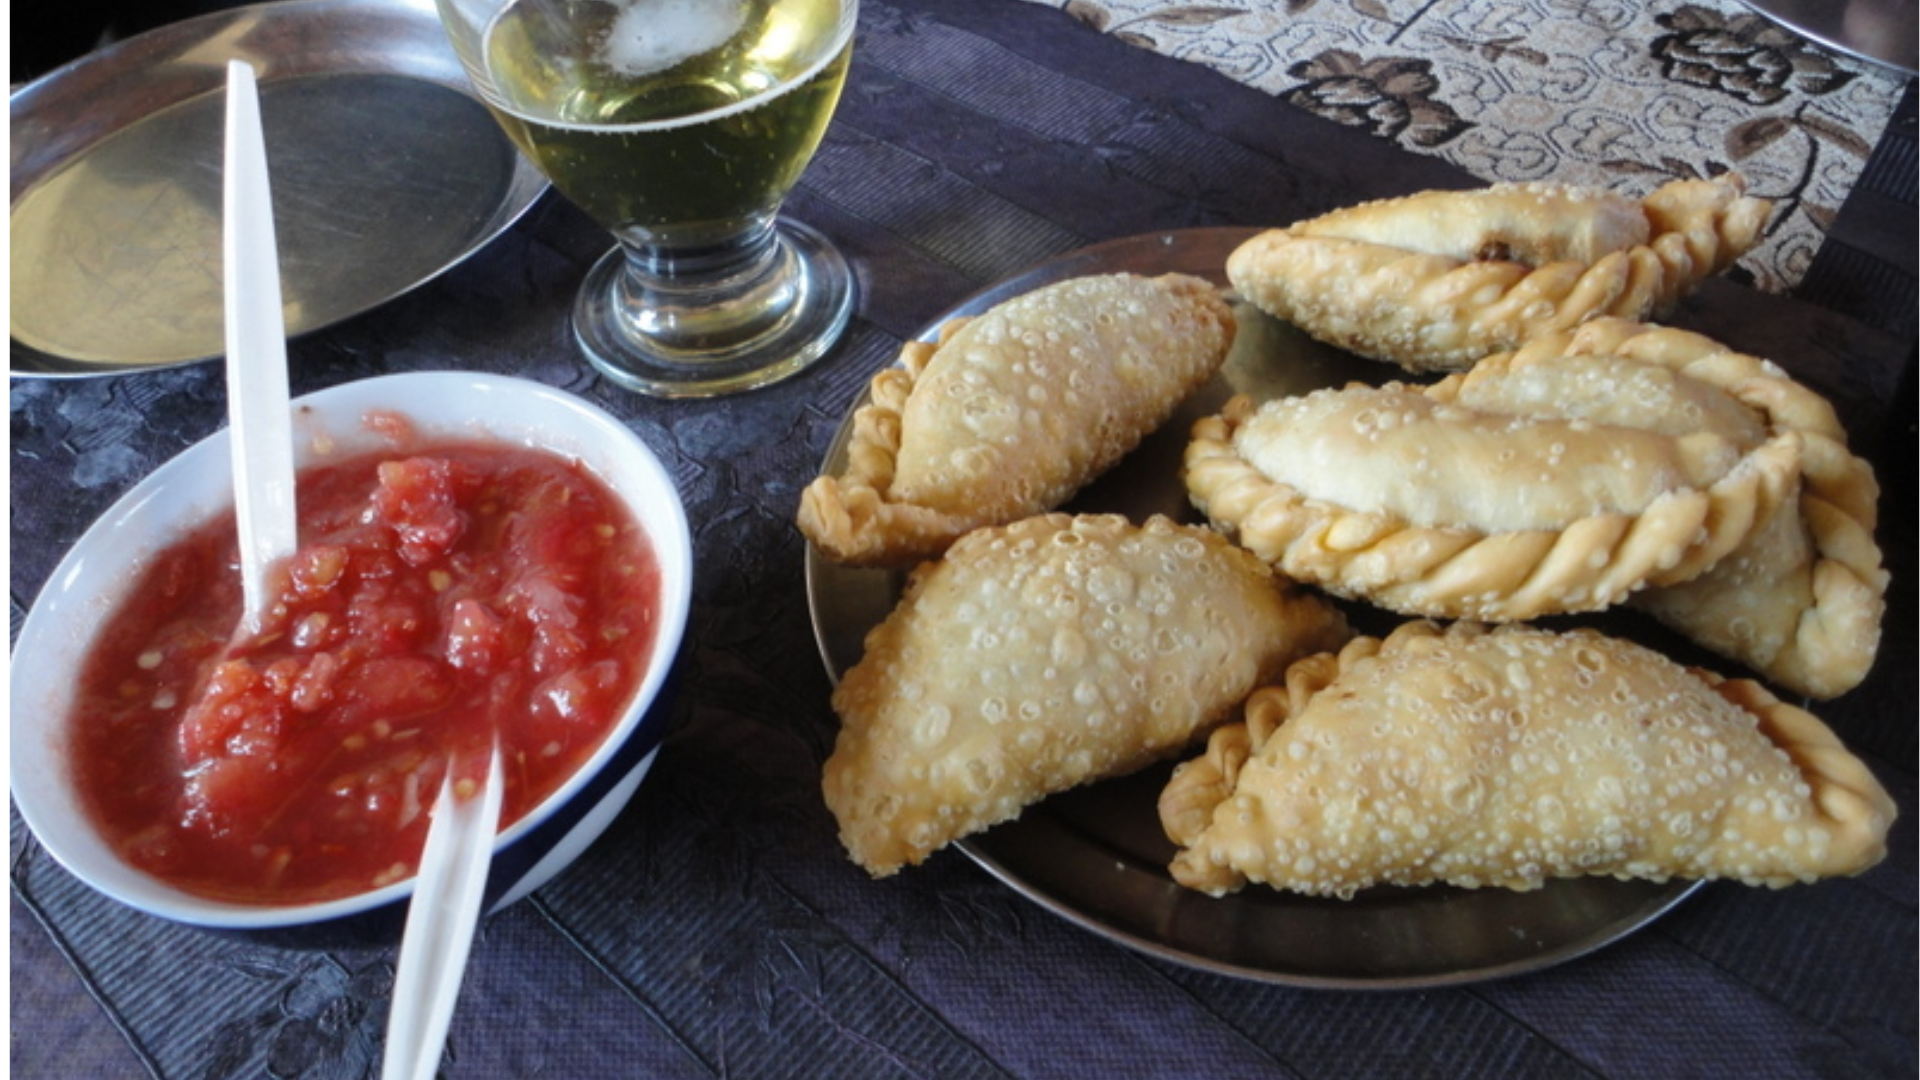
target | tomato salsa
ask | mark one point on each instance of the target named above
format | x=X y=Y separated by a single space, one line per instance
x=440 y=596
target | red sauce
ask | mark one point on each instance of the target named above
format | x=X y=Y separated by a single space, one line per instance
x=437 y=599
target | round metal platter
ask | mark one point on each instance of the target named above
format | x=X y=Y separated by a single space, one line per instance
x=1096 y=856
x=1885 y=32
x=386 y=172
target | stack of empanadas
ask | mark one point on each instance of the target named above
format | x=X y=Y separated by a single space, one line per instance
x=1617 y=460
x=1435 y=281
x=1578 y=460
x=1013 y=411
x=1046 y=654
x=1800 y=598
x=1506 y=757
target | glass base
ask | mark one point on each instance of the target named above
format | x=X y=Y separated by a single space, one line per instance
x=667 y=336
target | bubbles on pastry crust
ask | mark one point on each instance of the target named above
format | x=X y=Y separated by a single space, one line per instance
x=1675 y=781
x=1059 y=648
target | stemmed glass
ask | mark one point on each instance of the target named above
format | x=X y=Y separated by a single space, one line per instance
x=680 y=126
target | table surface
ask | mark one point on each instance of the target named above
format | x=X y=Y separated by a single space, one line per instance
x=717 y=929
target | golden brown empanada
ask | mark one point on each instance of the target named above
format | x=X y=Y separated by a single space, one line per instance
x=1437 y=280
x=1013 y=412
x=1457 y=505
x=1507 y=757
x=1618 y=462
x=1042 y=655
x=1800 y=600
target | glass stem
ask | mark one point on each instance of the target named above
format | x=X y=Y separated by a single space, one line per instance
x=693 y=318
x=707 y=298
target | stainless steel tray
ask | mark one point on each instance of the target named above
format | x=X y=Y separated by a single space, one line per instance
x=386 y=172
x=1097 y=857
x=1886 y=32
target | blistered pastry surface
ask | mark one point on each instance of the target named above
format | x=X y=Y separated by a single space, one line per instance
x=1013 y=411
x=1508 y=757
x=1043 y=655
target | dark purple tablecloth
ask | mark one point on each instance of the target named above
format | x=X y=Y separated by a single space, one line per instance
x=718 y=929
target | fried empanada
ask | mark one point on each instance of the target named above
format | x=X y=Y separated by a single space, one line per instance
x=1437 y=280
x=1014 y=411
x=1443 y=504
x=1620 y=462
x=1506 y=757
x=1800 y=600
x=1045 y=654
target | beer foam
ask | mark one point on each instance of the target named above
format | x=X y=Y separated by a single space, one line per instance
x=653 y=35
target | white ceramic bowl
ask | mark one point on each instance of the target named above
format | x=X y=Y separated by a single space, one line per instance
x=193 y=487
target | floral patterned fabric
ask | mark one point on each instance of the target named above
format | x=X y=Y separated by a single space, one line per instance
x=1610 y=93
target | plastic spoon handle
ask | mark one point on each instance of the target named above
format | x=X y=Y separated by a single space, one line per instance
x=258 y=410
x=440 y=925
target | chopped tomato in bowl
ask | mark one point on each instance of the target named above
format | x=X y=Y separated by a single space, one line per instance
x=494 y=560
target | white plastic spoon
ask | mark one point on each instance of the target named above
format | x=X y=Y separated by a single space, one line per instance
x=258 y=410
x=453 y=866
x=440 y=923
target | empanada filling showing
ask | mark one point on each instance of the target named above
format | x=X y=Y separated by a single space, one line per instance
x=1534 y=224
x=1394 y=450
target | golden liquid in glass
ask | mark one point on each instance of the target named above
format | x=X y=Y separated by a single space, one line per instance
x=676 y=118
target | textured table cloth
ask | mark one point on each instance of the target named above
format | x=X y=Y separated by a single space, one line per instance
x=718 y=929
x=1613 y=94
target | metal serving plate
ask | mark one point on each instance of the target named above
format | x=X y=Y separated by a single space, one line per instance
x=1097 y=857
x=1886 y=32
x=386 y=172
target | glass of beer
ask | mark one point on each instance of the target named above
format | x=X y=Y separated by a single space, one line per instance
x=680 y=126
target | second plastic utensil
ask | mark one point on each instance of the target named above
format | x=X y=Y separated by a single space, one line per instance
x=441 y=920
